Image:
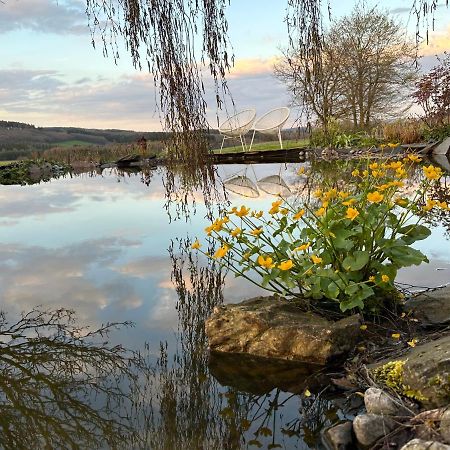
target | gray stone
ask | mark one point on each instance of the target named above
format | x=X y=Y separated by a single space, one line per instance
x=272 y=327
x=339 y=437
x=444 y=429
x=431 y=308
x=369 y=428
x=419 y=444
x=426 y=372
x=378 y=402
x=443 y=147
x=443 y=161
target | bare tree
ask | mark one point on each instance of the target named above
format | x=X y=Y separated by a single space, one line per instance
x=367 y=70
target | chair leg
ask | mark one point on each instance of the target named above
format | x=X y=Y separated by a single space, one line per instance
x=221 y=147
x=253 y=137
x=242 y=142
x=279 y=138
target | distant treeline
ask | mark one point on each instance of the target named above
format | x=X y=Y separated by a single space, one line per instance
x=9 y=124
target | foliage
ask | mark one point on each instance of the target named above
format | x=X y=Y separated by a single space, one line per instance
x=336 y=136
x=346 y=248
x=367 y=70
x=391 y=375
x=437 y=133
x=406 y=131
x=433 y=93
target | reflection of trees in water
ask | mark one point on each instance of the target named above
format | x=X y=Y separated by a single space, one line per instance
x=440 y=191
x=62 y=386
x=183 y=182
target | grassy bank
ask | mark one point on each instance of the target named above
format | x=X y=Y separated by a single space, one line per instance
x=265 y=146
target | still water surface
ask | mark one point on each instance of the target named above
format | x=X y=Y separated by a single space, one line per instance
x=111 y=248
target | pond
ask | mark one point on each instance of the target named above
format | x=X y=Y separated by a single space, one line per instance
x=114 y=247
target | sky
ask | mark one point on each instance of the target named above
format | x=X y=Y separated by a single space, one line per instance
x=50 y=74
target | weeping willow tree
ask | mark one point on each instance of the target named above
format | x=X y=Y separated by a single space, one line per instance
x=162 y=35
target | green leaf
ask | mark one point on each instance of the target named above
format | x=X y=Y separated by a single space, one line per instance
x=413 y=233
x=404 y=256
x=356 y=261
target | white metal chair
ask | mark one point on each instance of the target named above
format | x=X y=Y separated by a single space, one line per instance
x=271 y=122
x=237 y=126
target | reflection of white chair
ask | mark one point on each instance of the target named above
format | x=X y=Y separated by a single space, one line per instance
x=271 y=122
x=237 y=126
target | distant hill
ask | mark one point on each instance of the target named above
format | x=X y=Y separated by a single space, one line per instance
x=20 y=139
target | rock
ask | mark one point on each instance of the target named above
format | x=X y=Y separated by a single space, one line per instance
x=432 y=308
x=443 y=148
x=338 y=437
x=426 y=372
x=419 y=444
x=272 y=327
x=444 y=429
x=443 y=161
x=378 y=402
x=369 y=428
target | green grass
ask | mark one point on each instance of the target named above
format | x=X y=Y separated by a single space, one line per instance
x=264 y=146
x=5 y=163
x=72 y=143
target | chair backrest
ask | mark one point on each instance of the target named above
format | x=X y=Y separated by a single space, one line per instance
x=272 y=120
x=240 y=122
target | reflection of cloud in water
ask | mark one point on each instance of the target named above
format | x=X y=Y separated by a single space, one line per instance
x=32 y=276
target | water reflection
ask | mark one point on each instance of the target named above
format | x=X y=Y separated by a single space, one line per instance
x=62 y=386
x=51 y=253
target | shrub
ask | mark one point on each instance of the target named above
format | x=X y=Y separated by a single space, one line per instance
x=344 y=251
x=405 y=131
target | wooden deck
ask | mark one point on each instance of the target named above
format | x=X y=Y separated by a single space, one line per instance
x=280 y=155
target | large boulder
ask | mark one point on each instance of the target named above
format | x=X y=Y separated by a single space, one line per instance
x=378 y=402
x=272 y=327
x=426 y=372
x=431 y=308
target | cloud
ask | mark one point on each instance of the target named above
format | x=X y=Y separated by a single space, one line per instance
x=438 y=43
x=253 y=66
x=45 y=16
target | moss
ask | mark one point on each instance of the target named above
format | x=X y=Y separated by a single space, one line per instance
x=391 y=375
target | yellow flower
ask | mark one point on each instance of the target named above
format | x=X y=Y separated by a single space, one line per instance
x=325 y=204
x=275 y=207
x=245 y=256
x=442 y=205
x=352 y=213
x=256 y=231
x=286 y=265
x=236 y=232
x=391 y=145
x=430 y=205
x=377 y=173
x=383 y=146
x=432 y=172
x=413 y=342
x=343 y=195
x=396 y=165
x=395 y=335
x=365 y=173
x=372 y=279
x=196 y=245
x=401 y=201
x=373 y=166
x=320 y=212
x=301 y=171
x=375 y=197
x=384 y=278
x=315 y=259
x=349 y=202
x=242 y=212
x=383 y=187
x=414 y=158
x=318 y=193
x=208 y=230
x=267 y=263
x=284 y=211
x=298 y=215
x=400 y=172
x=363 y=327
x=221 y=252
x=332 y=193
x=307 y=393
x=355 y=173
x=258 y=214
x=302 y=247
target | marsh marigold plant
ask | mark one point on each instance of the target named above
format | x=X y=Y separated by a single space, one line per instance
x=345 y=247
